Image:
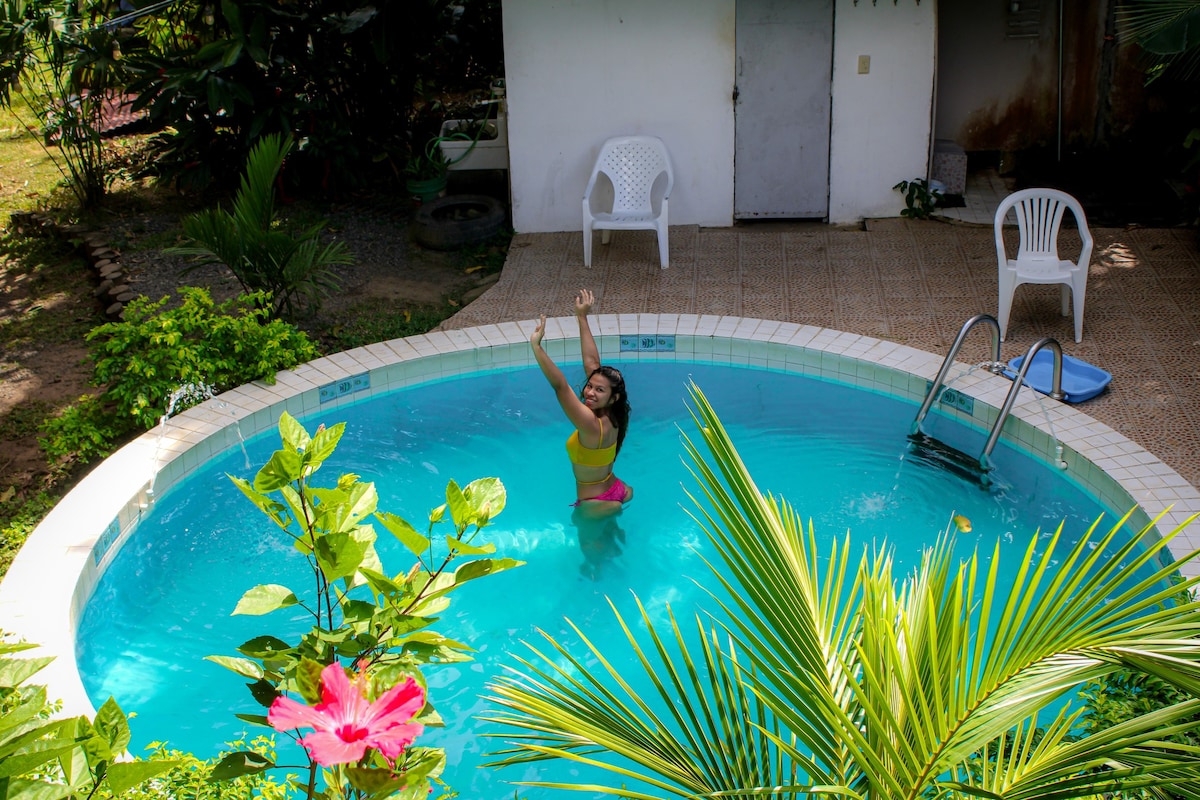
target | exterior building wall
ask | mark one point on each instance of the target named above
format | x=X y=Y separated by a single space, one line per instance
x=580 y=71
x=882 y=119
x=1000 y=91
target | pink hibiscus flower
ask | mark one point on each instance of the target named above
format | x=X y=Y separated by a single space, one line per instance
x=345 y=723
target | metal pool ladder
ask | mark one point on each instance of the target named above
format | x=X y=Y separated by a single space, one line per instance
x=955 y=458
x=1056 y=392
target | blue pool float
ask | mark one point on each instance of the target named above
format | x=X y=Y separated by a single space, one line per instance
x=1080 y=380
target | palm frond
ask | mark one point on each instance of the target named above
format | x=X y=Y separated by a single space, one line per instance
x=818 y=677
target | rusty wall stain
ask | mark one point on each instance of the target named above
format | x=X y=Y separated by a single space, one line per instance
x=1030 y=119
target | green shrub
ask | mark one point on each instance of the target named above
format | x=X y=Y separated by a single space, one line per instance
x=143 y=359
x=188 y=778
x=83 y=432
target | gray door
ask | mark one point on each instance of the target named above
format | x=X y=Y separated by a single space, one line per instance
x=781 y=108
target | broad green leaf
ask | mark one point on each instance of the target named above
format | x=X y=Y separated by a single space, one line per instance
x=25 y=709
x=380 y=583
x=271 y=508
x=460 y=510
x=374 y=781
x=459 y=547
x=430 y=606
x=110 y=722
x=340 y=510
x=487 y=496
x=406 y=533
x=16 y=647
x=26 y=789
x=370 y=560
x=341 y=554
x=255 y=719
x=265 y=648
x=264 y=599
x=435 y=638
x=357 y=611
x=283 y=468
x=292 y=433
x=235 y=765
x=322 y=445
x=422 y=763
x=242 y=666
x=15 y=671
x=308 y=680
x=35 y=756
x=484 y=566
x=124 y=775
x=264 y=692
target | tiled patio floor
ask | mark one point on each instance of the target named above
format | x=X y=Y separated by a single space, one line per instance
x=913 y=282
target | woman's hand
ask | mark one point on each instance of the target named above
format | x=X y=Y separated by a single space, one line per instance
x=583 y=302
x=536 y=338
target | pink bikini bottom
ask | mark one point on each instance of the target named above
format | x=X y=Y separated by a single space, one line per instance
x=615 y=492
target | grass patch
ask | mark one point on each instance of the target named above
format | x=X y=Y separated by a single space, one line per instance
x=380 y=319
x=487 y=257
x=24 y=420
x=29 y=177
x=19 y=515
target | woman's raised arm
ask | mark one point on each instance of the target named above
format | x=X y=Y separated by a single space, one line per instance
x=587 y=344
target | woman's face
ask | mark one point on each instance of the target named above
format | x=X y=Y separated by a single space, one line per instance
x=597 y=392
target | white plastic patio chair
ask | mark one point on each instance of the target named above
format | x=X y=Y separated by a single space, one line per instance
x=634 y=165
x=1039 y=215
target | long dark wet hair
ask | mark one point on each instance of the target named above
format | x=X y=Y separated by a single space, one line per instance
x=618 y=409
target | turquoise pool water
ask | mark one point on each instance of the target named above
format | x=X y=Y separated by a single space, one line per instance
x=839 y=454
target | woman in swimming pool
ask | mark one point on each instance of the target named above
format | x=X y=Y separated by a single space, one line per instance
x=600 y=414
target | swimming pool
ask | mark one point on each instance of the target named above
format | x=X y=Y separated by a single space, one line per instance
x=82 y=535
x=837 y=453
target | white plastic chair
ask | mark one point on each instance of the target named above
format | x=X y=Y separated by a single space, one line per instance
x=1039 y=215
x=634 y=165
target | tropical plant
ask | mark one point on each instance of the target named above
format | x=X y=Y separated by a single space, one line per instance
x=67 y=67
x=365 y=621
x=339 y=75
x=187 y=779
x=293 y=269
x=145 y=357
x=1168 y=33
x=42 y=758
x=919 y=199
x=825 y=677
x=1167 y=30
x=1127 y=694
x=430 y=162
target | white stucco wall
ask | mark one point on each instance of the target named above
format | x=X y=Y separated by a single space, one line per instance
x=580 y=71
x=881 y=121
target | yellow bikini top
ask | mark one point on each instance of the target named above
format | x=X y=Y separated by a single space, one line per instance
x=588 y=456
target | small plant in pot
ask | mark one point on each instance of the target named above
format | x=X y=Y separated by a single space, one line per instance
x=426 y=172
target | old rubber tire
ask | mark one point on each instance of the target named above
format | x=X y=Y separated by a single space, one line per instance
x=455 y=221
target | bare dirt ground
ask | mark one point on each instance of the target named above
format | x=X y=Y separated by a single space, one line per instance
x=49 y=303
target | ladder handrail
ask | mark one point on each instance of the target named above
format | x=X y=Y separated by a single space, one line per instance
x=1056 y=392
x=996 y=367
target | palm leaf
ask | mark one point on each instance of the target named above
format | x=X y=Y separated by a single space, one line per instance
x=847 y=681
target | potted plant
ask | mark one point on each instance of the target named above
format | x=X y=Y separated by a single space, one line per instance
x=426 y=171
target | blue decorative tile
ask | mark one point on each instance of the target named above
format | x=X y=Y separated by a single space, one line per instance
x=106 y=540
x=355 y=383
x=648 y=343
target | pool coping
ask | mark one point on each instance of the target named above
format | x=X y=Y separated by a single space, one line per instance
x=53 y=575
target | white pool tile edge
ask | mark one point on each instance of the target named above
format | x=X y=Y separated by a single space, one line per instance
x=52 y=576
